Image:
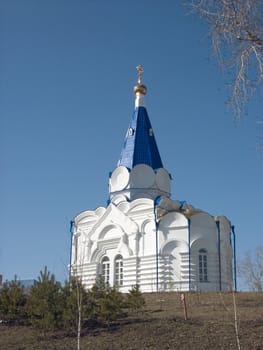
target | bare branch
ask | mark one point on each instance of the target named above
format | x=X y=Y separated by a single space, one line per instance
x=251 y=268
x=236 y=31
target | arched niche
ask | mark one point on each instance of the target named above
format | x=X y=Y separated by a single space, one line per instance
x=110 y=232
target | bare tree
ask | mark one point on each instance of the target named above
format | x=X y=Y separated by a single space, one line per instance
x=80 y=298
x=251 y=268
x=76 y=277
x=236 y=30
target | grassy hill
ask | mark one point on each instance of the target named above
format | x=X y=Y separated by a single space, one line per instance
x=161 y=326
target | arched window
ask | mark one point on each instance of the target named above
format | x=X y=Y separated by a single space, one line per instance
x=203 y=277
x=118 y=278
x=105 y=269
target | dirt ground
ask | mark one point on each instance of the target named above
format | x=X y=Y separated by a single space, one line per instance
x=210 y=325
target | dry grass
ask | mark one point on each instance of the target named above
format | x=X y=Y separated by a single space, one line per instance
x=161 y=326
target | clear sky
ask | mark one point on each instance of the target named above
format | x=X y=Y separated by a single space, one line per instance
x=67 y=70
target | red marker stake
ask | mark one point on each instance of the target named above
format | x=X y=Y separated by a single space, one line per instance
x=184 y=306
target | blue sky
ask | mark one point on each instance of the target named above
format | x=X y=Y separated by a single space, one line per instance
x=67 y=72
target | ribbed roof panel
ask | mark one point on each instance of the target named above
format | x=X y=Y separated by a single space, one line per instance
x=139 y=145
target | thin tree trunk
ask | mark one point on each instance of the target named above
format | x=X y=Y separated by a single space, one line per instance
x=79 y=327
x=235 y=321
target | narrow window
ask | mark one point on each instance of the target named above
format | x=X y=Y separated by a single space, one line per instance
x=105 y=269
x=118 y=270
x=76 y=249
x=203 y=266
x=130 y=131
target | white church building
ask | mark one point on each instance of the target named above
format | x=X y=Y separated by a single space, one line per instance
x=145 y=237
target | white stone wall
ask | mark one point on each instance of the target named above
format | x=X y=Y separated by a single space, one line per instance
x=129 y=229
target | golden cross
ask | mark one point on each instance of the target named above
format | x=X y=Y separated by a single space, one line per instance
x=140 y=72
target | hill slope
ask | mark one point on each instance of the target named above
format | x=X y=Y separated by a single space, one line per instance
x=161 y=326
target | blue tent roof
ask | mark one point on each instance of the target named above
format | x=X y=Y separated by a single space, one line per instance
x=139 y=145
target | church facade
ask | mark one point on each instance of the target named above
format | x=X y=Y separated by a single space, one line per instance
x=145 y=237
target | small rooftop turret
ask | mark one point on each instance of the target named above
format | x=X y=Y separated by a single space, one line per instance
x=140 y=171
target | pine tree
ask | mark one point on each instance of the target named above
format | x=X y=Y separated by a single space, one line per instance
x=75 y=298
x=12 y=302
x=96 y=293
x=110 y=306
x=45 y=303
x=105 y=303
x=134 y=299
